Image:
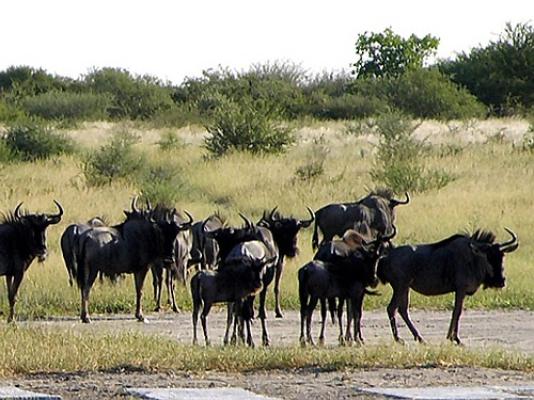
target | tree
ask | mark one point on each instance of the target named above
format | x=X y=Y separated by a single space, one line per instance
x=388 y=54
x=500 y=74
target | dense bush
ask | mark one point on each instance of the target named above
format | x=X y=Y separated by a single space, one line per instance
x=399 y=161
x=246 y=126
x=134 y=97
x=67 y=105
x=21 y=81
x=117 y=159
x=500 y=74
x=31 y=141
x=160 y=184
x=348 y=106
x=9 y=113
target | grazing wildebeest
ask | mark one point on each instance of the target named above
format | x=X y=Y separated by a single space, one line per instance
x=373 y=214
x=130 y=247
x=459 y=264
x=69 y=243
x=285 y=231
x=353 y=256
x=346 y=279
x=177 y=270
x=203 y=243
x=230 y=284
x=22 y=238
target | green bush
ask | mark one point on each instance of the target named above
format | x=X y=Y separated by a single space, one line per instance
x=9 y=113
x=117 y=159
x=313 y=168
x=6 y=155
x=247 y=125
x=31 y=141
x=399 y=162
x=67 y=105
x=347 y=106
x=160 y=184
x=170 y=141
x=426 y=93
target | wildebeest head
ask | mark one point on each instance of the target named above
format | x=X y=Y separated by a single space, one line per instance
x=227 y=237
x=169 y=224
x=136 y=212
x=285 y=230
x=492 y=255
x=34 y=227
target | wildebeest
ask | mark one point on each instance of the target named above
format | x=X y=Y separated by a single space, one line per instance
x=373 y=214
x=459 y=264
x=285 y=231
x=206 y=245
x=22 y=238
x=345 y=279
x=183 y=244
x=130 y=247
x=230 y=284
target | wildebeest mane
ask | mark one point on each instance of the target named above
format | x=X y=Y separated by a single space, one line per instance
x=483 y=236
x=386 y=193
x=10 y=218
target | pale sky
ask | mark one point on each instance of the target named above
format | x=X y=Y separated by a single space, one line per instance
x=174 y=39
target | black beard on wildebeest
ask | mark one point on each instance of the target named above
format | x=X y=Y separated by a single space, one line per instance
x=459 y=264
x=130 y=247
x=22 y=238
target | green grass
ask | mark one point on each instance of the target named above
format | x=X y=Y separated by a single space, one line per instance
x=493 y=188
x=26 y=351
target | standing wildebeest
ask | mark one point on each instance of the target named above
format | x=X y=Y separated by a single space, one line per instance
x=458 y=264
x=176 y=271
x=371 y=215
x=231 y=284
x=285 y=231
x=205 y=244
x=130 y=247
x=346 y=279
x=22 y=238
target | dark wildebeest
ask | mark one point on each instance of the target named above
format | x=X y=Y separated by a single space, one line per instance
x=130 y=247
x=285 y=231
x=177 y=270
x=370 y=215
x=69 y=243
x=203 y=243
x=458 y=264
x=348 y=268
x=22 y=238
x=229 y=284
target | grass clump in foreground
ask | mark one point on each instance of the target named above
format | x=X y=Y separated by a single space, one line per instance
x=27 y=350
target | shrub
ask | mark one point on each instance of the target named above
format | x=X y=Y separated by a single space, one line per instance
x=6 y=155
x=160 y=183
x=67 y=105
x=314 y=166
x=246 y=126
x=31 y=141
x=9 y=113
x=117 y=159
x=170 y=141
x=347 y=106
x=399 y=161
x=176 y=117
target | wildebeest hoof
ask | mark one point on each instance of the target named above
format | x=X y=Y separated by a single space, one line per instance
x=341 y=341
x=420 y=340
x=321 y=341
x=278 y=314
x=142 y=319
x=399 y=341
x=266 y=342
x=176 y=309
x=157 y=309
x=85 y=319
x=302 y=341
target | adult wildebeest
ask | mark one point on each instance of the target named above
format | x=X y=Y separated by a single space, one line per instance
x=22 y=238
x=373 y=214
x=230 y=284
x=69 y=243
x=285 y=231
x=345 y=279
x=459 y=264
x=183 y=244
x=205 y=244
x=130 y=247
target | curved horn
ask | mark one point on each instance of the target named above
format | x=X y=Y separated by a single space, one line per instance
x=395 y=202
x=510 y=245
x=390 y=236
x=248 y=222
x=187 y=224
x=271 y=214
x=148 y=204
x=55 y=218
x=306 y=223
x=134 y=204
x=16 y=213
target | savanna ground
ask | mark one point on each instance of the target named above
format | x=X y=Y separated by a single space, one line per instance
x=492 y=188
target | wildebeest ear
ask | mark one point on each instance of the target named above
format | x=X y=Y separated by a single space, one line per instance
x=478 y=249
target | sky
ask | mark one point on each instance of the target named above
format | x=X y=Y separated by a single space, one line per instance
x=177 y=39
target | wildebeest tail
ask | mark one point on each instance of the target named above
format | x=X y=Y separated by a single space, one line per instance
x=303 y=293
x=196 y=290
x=69 y=258
x=315 y=237
x=79 y=255
x=383 y=264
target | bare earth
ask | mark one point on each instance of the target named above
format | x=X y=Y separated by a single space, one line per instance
x=511 y=330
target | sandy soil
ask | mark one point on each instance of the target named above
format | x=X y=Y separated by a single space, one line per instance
x=508 y=329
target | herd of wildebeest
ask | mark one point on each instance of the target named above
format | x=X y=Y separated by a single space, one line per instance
x=237 y=263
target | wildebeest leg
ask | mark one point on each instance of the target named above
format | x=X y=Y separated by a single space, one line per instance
x=455 y=320
x=323 y=321
x=303 y=317
x=341 y=338
x=139 y=278
x=170 y=289
x=357 y=310
x=311 y=307
x=262 y=314
x=348 y=333
x=250 y=341
x=12 y=294
x=203 y=319
x=229 y=319
x=86 y=289
x=277 y=278
x=157 y=278
x=404 y=303
x=392 y=310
